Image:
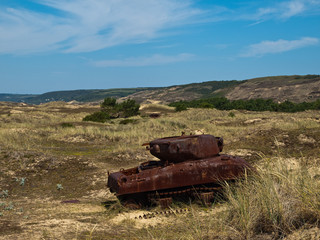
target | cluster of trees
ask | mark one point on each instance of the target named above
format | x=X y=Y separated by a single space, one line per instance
x=223 y=103
x=110 y=109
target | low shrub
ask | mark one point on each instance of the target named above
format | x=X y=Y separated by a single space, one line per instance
x=66 y=125
x=97 y=117
x=180 y=107
x=110 y=110
x=127 y=121
x=231 y=114
x=223 y=103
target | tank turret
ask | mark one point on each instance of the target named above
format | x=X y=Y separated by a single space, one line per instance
x=187 y=165
x=182 y=148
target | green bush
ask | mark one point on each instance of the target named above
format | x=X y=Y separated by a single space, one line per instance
x=128 y=108
x=97 y=117
x=231 y=114
x=222 y=103
x=206 y=105
x=110 y=110
x=66 y=125
x=181 y=107
x=108 y=103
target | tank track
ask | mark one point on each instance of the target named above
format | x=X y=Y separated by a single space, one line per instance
x=205 y=194
x=164 y=198
x=173 y=193
x=163 y=213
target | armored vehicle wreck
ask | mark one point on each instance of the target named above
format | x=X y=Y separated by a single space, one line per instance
x=187 y=166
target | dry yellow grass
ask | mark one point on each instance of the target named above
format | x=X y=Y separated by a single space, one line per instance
x=278 y=200
x=50 y=144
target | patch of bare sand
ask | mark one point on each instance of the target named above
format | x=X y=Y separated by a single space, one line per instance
x=51 y=219
x=148 y=103
x=305 y=234
x=143 y=219
x=137 y=217
x=242 y=152
x=305 y=139
x=251 y=121
x=101 y=194
x=79 y=208
x=16 y=112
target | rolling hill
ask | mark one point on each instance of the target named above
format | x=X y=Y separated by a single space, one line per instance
x=184 y=92
x=295 y=88
x=73 y=95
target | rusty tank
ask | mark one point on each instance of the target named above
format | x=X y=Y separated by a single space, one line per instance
x=188 y=166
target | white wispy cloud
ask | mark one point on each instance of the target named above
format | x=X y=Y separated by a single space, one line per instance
x=269 y=47
x=293 y=8
x=285 y=10
x=89 y=25
x=156 y=59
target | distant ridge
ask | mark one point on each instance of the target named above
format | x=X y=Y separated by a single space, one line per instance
x=7 y=97
x=72 y=95
x=295 y=88
x=185 y=92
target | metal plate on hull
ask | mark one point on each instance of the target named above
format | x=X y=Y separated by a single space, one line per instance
x=195 y=172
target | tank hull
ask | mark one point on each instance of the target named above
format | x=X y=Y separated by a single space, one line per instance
x=176 y=175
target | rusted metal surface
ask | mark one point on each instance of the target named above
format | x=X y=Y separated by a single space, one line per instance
x=206 y=197
x=187 y=164
x=175 y=175
x=182 y=148
x=165 y=202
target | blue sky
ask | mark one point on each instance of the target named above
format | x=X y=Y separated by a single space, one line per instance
x=49 y=45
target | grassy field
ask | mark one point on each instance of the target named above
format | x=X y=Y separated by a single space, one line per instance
x=54 y=168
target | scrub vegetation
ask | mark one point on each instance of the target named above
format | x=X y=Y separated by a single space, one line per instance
x=110 y=109
x=54 y=170
x=223 y=103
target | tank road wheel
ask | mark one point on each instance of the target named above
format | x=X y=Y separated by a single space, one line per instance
x=165 y=202
x=131 y=204
x=134 y=201
x=206 y=198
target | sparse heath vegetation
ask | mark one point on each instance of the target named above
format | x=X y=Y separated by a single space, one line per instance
x=55 y=166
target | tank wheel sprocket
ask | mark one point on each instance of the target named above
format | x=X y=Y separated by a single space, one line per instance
x=131 y=204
